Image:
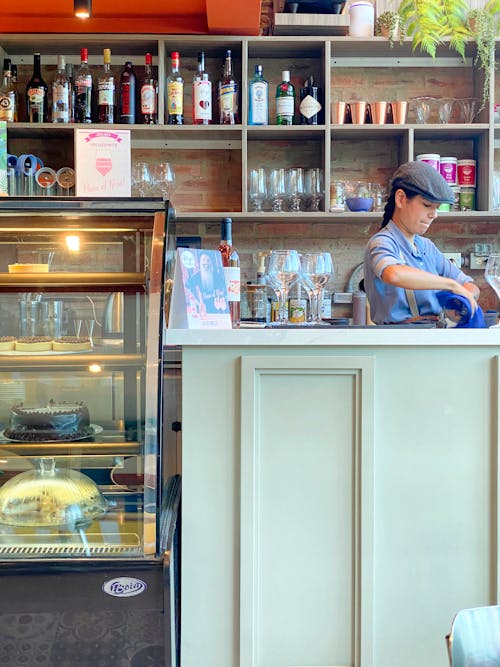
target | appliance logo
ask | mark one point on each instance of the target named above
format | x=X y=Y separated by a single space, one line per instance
x=124 y=587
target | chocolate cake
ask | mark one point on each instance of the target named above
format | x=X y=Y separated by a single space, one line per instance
x=54 y=422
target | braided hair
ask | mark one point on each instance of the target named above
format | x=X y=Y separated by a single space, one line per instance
x=391 y=203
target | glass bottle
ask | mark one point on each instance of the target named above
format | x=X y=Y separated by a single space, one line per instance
x=202 y=94
x=61 y=94
x=106 y=92
x=175 y=93
x=231 y=264
x=285 y=100
x=228 y=94
x=7 y=94
x=71 y=83
x=13 y=69
x=258 y=99
x=83 y=90
x=127 y=94
x=37 y=94
x=310 y=107
x=149 y=94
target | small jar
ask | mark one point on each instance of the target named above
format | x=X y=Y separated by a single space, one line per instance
x=433 y=159
x=448 y=169
x=361 y=19
x=466 y=170
x=467 y=199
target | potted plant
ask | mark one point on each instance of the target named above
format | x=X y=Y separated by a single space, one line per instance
x=483 y=27
x=389 y=24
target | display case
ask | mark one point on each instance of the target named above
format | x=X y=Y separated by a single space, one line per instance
x=87 y=519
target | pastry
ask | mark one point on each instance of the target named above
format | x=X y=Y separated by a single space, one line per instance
x=53 y=422
x=71 y=344
x=33 y=344
x=7 y=343
x=28 y=268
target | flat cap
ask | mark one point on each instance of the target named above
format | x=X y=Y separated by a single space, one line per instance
x=422 y=179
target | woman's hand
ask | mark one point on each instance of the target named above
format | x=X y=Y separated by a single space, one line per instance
x=469 y=291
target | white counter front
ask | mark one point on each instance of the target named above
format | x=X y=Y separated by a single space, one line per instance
x=340 y=493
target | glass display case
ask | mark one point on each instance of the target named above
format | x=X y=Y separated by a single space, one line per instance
x=81 y=316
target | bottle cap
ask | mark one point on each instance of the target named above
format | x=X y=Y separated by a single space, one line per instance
x=84 y=54
x=107 y=55
x=149 y=59
x=285 y=75
x=175 y=55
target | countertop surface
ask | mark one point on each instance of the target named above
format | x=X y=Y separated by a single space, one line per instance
x=333 y=336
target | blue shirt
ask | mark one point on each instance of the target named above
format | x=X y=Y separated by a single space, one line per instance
x=388 y=247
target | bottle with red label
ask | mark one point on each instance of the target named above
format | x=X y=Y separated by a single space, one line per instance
x=149 y=94
x=127 y=94
x=202 y=94
x=37 y=94
x=83 y=90
x=175 y=93
x=231 y=264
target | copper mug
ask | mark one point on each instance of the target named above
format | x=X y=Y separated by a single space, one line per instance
x=358 y=112
x=338 y=113
x=399 y=111
x=378 y=111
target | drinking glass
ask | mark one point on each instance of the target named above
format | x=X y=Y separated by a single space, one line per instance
x=492 y=276
x=469 y=108
x=317 y=269
x=295 y=187
x=162 y=179
x=257 y=190
x=445 y=109
x=277 y=188
x=314 y=188
x=283 y=271
x=142 y=181
x=422 y=109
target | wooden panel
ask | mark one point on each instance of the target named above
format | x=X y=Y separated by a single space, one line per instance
x=306 y=506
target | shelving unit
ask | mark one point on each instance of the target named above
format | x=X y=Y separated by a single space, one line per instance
x=341 y=65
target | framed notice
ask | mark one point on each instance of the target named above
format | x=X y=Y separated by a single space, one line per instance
x=3 y=159
x=102 y=163
x=199 y=295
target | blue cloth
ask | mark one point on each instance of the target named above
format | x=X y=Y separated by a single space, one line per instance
x=389 y=246
x=460 y=304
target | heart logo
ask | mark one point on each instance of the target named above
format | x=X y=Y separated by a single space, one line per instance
x=204 y=104
x=103 y=165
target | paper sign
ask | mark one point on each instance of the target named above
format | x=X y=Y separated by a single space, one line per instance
x=3 y=159
x=102 y=163
x=199 y=295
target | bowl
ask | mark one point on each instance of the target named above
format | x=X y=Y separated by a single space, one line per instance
x=359 y=203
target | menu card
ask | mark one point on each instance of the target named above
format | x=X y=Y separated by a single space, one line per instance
x=102 y=163
x=199 y=295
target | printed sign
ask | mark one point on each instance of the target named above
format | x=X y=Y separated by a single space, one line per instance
x=102 y=163
x=199 y=295
x=124 y=587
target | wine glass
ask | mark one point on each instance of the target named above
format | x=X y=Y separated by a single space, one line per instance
x=492 y=276
x=295 y=187
x=314 y=188
x=469 y=108
x=257 y=190
x=142 y=181
x=277 y=188
x=163 y=178
x=317 y=269
x=283 y=271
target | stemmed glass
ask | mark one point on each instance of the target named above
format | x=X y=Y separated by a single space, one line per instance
x=492 y=276
x=295 y=187
x=277 y=188
x=142 y=180
x=317 y=269
x=445 y=109
x=314 y=188
x=422 y=109
x=257 y=190
x=469 y=108
x=283 y=271
x=163 y=178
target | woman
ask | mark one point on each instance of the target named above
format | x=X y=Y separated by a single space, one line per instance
x=402 y=270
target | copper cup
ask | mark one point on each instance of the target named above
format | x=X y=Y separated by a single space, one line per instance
x=399 y=111
x=338 y=113
x=358 y=112
x=378 y=112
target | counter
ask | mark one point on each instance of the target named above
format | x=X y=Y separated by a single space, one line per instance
x=340 y=493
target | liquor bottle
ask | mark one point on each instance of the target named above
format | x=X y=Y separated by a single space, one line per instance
x=298 y=304
x=175 y=93
x=106 y=92
x=37 y=95
x=258 y=99
x=202 y=94
x=7 y=94
x=228 y=94
x=127 y=94
x=83 y=90
x=231 y=264
x=310 y=107
x=71 y=82
x=285 y=100
x=149 y=94
x=13 y=69
x=61 y=101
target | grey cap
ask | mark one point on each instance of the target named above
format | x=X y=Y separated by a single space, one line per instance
x=422 y=179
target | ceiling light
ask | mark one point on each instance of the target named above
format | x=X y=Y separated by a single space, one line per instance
x=83 y=9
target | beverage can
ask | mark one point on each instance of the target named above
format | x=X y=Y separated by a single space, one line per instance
x=466 y=170
x=467 y=199
x=431 y=158
x=456 y=192
x=448 y=169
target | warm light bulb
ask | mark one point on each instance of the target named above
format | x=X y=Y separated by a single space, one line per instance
x=73 y=243
x=83 y=8
x=95 y=368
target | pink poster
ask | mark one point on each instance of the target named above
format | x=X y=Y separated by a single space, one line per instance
x=102 y=163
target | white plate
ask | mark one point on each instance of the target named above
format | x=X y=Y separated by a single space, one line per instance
x=17 y=353
x=95 y=427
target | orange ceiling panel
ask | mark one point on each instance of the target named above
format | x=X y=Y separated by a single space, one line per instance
x=130 y=16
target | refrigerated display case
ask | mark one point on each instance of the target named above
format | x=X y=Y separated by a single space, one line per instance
x=88 y=523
